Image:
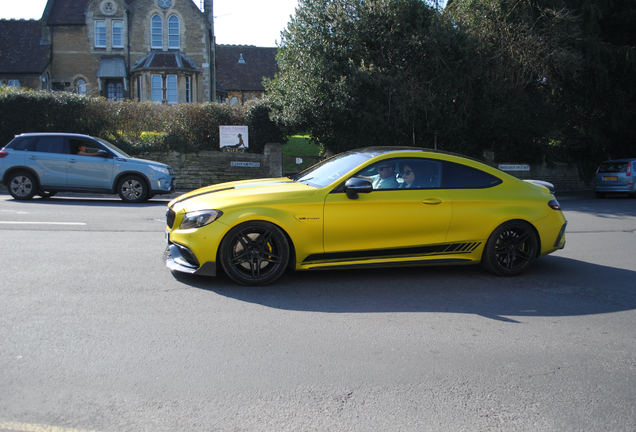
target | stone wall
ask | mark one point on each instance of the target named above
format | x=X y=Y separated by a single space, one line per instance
x=196 y=170
x=563 y=176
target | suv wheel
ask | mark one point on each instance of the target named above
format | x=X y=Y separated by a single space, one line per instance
x=132 y=189
x=22 y=186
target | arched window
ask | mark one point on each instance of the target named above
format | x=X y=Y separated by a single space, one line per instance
x=156 y=32
x=173 y=32
x=81 y=87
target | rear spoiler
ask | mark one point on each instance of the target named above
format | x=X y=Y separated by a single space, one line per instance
x=545 y=184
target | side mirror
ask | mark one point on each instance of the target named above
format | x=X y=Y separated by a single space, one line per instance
x=357 y=185
x=103 y=153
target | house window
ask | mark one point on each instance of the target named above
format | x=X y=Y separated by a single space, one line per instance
x=171 y=89
x=173 y=32
x=81 y=87
x=140 y=89
x=188 y=94
x=118 y=34
x=100 y=34
x=157 y=89
x=115 y=90
x=156 y=32
x=13 y=83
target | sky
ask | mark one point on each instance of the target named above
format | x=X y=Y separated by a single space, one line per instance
x=237 y=22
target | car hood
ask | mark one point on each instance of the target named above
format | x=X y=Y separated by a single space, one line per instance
x=142 y=161
x=240 y=192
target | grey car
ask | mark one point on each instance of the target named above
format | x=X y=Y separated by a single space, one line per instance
x=46 y=163
x=615 y=176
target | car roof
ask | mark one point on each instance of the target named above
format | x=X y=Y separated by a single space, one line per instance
x=389 y=149
x=68 y=134
x=620 y=160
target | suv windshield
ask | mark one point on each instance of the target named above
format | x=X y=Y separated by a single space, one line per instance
x=113 y=146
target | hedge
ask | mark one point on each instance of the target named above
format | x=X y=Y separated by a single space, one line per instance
x=136 y=127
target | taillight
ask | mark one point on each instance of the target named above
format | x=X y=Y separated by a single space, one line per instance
x=629 y=169
x=597 y=170
x=554 y=205
x=3 y=154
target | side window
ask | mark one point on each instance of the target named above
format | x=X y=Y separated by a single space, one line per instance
x=419 y=174
x=23 y=144
x=50 y=145
x=457 y=176
x=383 y=175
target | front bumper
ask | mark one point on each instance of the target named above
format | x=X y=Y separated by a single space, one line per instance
x=181 y=259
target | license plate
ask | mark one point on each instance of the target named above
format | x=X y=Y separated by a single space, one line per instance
x=610 y=178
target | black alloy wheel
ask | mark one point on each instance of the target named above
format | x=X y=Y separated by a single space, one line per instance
x=510 y=249
x=254 y=253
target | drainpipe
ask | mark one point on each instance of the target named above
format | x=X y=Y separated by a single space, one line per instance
x=129 y=77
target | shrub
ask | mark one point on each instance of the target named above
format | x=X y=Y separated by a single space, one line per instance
x=133 y=126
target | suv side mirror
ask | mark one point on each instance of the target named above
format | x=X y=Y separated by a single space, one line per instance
x=103 y=153
x=357 y=185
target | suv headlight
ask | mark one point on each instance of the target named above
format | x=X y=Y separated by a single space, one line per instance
x=199 y=219
x=161 y=169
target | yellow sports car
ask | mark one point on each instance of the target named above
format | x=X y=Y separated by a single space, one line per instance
x=377 y=206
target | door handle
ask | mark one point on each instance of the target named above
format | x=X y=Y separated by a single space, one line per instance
x=32 y=158
x=432 y=201
x=72 y=160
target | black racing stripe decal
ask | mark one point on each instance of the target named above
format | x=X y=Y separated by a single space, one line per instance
x=201 y=194
x=443 y=249
x=393 y=264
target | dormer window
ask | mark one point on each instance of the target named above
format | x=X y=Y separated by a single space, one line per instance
x=241 y=60
x=156 y=32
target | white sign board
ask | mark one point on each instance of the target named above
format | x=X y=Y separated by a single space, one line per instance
x=245 y=164
x=234 y=137
x=514 y=167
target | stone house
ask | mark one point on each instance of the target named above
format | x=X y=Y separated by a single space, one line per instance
x=161 y=51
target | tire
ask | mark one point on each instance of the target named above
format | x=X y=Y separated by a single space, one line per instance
x=600 y=195
x=22 y=186
x=46 y=194
x=510 y=249
x=254 y=253
x=132 y=189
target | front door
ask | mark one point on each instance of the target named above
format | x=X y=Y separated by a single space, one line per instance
x=89 y=171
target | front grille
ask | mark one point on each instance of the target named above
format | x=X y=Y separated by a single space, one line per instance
x=170 y=215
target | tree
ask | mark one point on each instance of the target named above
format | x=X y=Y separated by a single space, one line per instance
x=356 y=73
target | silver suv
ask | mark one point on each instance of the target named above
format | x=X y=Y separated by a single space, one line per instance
x=46 y=163
x=615 y=176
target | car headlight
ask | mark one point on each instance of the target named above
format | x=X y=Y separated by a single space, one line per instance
x=199 y=219
x=161 y=169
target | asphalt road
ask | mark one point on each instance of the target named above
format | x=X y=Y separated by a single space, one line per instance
x=97 y=335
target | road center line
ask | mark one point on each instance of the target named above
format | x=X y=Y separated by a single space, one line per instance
x=40 y=223
x=26 y=427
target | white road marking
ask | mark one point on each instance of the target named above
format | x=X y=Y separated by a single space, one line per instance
x=41 y=223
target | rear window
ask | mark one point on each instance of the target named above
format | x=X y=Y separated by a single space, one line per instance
x=613 y=167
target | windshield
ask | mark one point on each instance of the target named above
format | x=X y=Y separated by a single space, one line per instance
x=330 y=170
x=113 y=147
